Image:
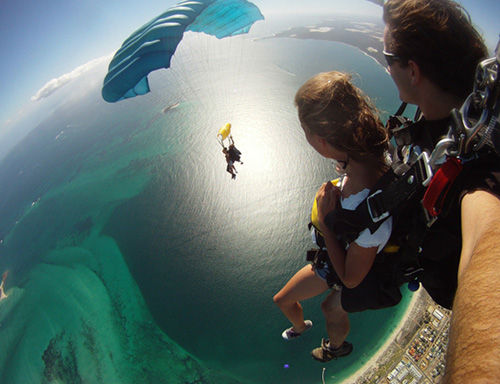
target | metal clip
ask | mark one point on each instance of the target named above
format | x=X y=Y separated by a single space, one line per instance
x=428 y=218
x=425 y=167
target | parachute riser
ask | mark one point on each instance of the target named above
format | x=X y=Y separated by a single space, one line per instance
x=221 y=141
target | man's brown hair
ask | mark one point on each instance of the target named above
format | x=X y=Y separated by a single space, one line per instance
x=439 y=36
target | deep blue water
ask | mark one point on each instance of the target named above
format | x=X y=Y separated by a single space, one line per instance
x=132 y=255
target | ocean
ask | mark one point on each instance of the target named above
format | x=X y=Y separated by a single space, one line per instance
x=132 y=255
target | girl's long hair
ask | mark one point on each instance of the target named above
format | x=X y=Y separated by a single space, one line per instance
x=330 y=106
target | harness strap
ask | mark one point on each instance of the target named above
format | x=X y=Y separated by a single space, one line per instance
x=380 y=205
x=390 y=194
x=440 y=185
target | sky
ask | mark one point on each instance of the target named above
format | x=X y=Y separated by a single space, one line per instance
x=49 y=42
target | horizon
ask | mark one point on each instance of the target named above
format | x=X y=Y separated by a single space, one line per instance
x=27 y=84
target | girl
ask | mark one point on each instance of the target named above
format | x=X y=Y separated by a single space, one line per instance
x=340 y=124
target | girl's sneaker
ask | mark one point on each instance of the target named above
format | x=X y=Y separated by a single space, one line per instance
x=290 y=334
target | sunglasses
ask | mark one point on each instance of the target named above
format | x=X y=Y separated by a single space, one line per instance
x=391 y=58
x=342 y=164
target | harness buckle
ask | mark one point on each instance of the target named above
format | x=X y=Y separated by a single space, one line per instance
x=316 y=257
x=372 y=211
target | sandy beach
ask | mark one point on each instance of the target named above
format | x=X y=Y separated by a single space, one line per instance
x=352 y=379
x=2 y=293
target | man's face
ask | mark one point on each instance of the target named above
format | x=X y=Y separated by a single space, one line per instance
x=399 y=74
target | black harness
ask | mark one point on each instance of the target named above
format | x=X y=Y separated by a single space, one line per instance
x=391 y=192
x=474 y=127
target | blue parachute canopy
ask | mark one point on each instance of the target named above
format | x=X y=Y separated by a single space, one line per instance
x=151 y=47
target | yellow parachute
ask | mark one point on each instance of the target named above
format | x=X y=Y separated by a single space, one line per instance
x=223 y=133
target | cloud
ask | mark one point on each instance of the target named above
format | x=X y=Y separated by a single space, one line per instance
x=55 y=84
x=12 y=120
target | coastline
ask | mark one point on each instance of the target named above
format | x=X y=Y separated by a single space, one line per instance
x=383 y=350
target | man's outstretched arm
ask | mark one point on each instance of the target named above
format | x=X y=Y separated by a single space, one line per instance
x=474 y=348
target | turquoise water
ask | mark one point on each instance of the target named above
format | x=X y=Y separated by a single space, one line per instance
x=132 y=255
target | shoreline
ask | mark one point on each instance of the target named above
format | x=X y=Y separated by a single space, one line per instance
x=2 y=293
x=383 y=349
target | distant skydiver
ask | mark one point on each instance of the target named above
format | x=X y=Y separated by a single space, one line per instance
x=234 y=153
x=230 y=163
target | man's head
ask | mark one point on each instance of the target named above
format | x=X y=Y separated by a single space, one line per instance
x=439 y=37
